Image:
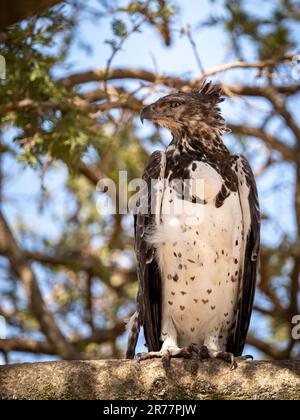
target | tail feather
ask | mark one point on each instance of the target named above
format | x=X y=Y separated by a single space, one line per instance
x=133 y=328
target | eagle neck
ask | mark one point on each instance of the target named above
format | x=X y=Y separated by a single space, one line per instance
x=202 y=140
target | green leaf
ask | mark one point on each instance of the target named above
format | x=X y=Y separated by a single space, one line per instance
x=111 y=42
x=119 y=28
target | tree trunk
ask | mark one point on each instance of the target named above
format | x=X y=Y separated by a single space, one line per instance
x=120 y=379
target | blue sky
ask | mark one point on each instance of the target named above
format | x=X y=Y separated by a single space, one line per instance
x=146 y=50
x=140 y=49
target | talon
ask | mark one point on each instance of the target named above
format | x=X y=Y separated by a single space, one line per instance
x=192 y=348
x=233 y=364
x=248 y=357
x=244 y=358
x=138 y=357
x=186 y=353
x=228 y=357
x=203 y=353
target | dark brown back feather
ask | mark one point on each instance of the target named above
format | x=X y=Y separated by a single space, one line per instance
x=149 y=294
x=236 y=341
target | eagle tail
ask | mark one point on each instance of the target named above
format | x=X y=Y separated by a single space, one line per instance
x=133 y=328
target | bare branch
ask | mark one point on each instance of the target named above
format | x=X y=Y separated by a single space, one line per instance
x=84 y=262
x=170 y=81
x=92 y=173
x=9 y=248
x=187 y=31
x=280 y=106
x=272 y=141
x=119 y=74
x=265 y=348
x=124 y=102
x=27 y=345
x=262 y=311
x=243 y=65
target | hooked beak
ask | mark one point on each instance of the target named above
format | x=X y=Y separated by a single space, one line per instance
x=147 y=113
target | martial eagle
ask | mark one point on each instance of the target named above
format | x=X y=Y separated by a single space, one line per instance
x=196 y=280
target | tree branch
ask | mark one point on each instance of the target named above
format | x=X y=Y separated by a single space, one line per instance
x=243 y=65
x=267 y=349
x=27 y=345
x=127 y=380
x=88 y=263
x=269 y=139
x=91 y=172
x=14 y=11
x=119 y=74
x=125 y=102
x=9 y=248
x=280 y=107
x=99 y=75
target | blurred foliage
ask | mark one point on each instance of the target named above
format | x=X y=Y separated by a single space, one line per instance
x=86 y=266
x=268 y=29
x=33 y=50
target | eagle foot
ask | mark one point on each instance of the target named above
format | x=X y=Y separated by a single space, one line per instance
x=227 y=357
x=230 y=358
x=244 y=358
x=204 y=353
x=201 y=351
x=166 y=354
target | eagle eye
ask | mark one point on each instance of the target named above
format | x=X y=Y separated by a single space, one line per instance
x=175 y=104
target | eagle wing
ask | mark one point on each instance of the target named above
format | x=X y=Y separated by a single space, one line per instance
x=251 y=219
x=149 y=276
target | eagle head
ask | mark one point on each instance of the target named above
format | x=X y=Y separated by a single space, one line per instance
x=187 y=110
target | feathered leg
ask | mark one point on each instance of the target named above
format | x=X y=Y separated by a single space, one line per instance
x=170 y=346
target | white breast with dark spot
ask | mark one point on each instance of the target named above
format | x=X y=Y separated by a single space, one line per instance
x=201 y=254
